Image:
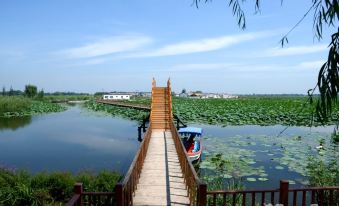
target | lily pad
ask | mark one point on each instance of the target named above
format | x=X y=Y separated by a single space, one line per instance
x=251 y=179
x=279 y=167
x=262 y=179
x=227 y=176
x=292 y=182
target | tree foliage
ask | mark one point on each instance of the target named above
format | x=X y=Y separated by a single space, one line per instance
x=31 y=90
x=41 y=94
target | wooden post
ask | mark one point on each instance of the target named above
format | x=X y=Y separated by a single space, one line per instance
x=144 y=127
x=119 y=194
x=78 y=189
x=202 y=194
x=283 y=191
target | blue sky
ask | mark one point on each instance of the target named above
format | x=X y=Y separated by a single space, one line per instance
x=88 y=46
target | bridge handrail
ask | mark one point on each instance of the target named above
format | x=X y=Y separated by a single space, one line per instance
x=169 y=96
x=313 y=195
x=124 y=190
x=196 y=188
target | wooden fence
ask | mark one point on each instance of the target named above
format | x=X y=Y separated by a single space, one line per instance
x=322 y=196
x=81 y=198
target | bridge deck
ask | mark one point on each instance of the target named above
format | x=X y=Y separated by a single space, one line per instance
x=161 y=181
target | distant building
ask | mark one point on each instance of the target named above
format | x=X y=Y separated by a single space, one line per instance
x=196 y=95
x=146 y=94
x=116 y=96
x=229 y=96
x=213 y=96
x=183 y=95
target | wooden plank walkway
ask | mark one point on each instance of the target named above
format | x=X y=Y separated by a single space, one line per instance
x=161 y=181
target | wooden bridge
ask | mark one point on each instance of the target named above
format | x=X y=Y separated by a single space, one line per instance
x=161 y=174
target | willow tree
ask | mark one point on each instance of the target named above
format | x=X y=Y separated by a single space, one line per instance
x=325 y=14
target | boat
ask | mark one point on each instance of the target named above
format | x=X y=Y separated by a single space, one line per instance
x=191 y=138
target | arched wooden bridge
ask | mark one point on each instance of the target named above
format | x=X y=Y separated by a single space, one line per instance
x=161 y=174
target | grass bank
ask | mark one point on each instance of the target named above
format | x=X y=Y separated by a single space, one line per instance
x=56 y=188
x=18 y=106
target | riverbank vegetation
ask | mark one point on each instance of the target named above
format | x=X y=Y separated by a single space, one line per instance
x=31 y=101
x=55 y=188
x=19 y=106
x=125 y=112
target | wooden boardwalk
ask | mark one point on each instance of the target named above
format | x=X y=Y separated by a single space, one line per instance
x=161 y=181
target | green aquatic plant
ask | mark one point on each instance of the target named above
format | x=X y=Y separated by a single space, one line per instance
x=124 y=112
x=221 y=181
x=243 y=111
x=324 y=173
x=248 y=110
x=239 y=158
x=14 y=106
x=55 y=188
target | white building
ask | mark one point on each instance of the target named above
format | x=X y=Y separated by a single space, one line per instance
x=116 y=96
x=229 y=96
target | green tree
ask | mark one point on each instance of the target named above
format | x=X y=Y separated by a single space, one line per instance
x=30 y=90
x=11 y=91
x=325 y=14
x=183 y=91
x=3 y=91
x=41 y=94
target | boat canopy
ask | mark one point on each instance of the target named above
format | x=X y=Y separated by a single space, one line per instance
x=190 y=130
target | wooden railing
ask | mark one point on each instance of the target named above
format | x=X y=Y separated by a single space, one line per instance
x=285 y=196
x=195 y=187
x=169 y=97
x=125 y=189
x=81 y=198
x=154 y=84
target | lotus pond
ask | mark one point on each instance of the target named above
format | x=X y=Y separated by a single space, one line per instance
x=259 y=158
x=276 y=110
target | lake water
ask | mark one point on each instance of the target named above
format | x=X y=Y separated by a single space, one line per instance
x=77 y=139
x=73 y=140
x=261 y=156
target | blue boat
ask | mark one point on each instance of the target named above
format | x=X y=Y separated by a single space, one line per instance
x=191 y=138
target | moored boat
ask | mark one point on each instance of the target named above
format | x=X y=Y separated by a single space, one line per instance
x=191 y=138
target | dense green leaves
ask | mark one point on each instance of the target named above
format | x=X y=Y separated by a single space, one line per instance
x=31 y=90
x=244 y=111
x=19 y=106
x=125 y=112
x=328 y=81
x=21 y=188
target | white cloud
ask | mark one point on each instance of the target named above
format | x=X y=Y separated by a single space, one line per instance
x=202 y=45
x=107 y=46
x=242 y=68
x=199 y=67
x=311 y=64
x=297 y=50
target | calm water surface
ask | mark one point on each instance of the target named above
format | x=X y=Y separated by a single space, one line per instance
x=78 y=139
x=269 y=150
x=73 y=140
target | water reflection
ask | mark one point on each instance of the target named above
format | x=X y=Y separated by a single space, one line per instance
x=14 y=123
x=73 y=140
